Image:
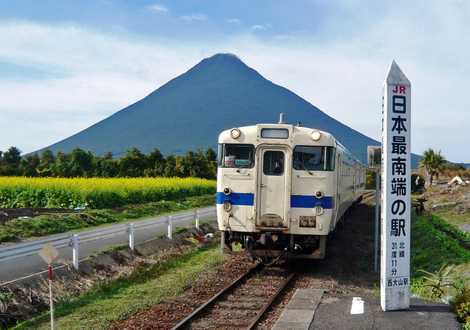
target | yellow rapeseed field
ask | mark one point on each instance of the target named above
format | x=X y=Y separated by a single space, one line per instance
x=96 y=192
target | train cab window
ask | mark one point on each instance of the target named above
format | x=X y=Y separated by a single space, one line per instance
x=273 y=163
x=314 y=158
x=236 y=155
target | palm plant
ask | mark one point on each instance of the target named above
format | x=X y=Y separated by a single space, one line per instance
x=433 y=162
x=439 y=281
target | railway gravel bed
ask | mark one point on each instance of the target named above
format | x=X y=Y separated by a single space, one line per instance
x=241 y=304
x=166 y=314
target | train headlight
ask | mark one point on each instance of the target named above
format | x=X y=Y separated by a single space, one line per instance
x=227 y=191
x=319 y=194
x=235 y=133
x=319 y=210
x=227 y=206
x=316 y=135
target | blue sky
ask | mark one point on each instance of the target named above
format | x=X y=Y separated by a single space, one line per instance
x=66 y=64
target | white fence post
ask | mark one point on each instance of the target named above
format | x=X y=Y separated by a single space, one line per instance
x=196 y=218
x=130 y=230
x=170 y=227
x=75 y=248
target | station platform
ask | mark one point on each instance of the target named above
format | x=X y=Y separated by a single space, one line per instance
x=312 y=309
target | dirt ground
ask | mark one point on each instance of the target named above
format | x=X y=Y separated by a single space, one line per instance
x=346 y=270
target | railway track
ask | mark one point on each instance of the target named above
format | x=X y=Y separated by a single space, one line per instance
x=241 y=304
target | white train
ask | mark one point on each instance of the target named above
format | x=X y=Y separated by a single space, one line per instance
x=281 y=189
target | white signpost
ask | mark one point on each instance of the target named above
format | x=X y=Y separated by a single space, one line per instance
x=396 y=192
x=49 y=254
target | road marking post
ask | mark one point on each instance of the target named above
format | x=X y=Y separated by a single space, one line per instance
x=170 y=227
x=130 y=230
x=49 y=253
x=396 y=194
x=196 y=219
x=75 y=250
x=51 y=300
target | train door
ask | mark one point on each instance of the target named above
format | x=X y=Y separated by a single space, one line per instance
x=273 y=187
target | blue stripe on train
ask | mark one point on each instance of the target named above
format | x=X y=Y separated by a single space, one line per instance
x=305 y=201
x=298 y=201
x=235 y=198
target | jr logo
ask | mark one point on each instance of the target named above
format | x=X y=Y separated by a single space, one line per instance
x=399 y=89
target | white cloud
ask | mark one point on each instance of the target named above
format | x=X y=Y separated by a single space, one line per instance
x=194 y=17
x=261 y=27
x=342 y=76
x=158 y=8
x=234 y=20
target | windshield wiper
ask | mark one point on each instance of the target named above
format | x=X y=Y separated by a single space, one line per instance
x=305 y=169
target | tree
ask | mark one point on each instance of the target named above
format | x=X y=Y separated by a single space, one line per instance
x=105 y=166
x=170 y=167
x=11 y=161
x=29 y=165
x=156 y=164
x=133 y=164
x=211 y=155
x=433 y=162
x=62 y=167
x=46 y=166
x=81 y=163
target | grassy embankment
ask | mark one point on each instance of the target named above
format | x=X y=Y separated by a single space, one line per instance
x=453 y=217
x=105 y=200
x=115 y=300
x=440 y=264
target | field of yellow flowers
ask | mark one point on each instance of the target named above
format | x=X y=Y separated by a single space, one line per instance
x=97 y=193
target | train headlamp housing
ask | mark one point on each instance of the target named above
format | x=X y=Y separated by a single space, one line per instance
x=227 y=206
x=235 y=133
x=319 y=194
x=227 y=191
x=316 y=135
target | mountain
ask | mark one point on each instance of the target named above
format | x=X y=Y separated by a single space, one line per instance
x=188 y=112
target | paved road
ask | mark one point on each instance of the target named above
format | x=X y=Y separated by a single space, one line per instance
x=13 y=268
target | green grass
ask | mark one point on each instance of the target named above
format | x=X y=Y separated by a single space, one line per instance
x=453 y=217
x=60 y=223
x=436 y=243
x=116 y=300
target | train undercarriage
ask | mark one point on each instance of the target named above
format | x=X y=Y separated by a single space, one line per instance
x=271 y=245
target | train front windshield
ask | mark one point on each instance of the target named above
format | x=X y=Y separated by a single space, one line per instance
x=236 y=155
x=314 y=158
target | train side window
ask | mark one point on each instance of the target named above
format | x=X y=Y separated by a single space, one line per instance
x=236 y=155
x=273 y=163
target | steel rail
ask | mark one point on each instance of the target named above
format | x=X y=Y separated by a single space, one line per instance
x=198 y=311
x=268 y=304
x=184 y=323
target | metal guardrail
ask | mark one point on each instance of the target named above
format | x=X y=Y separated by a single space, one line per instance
x=21 y=250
